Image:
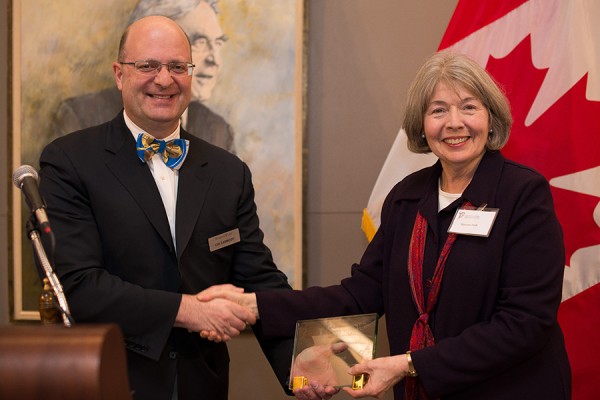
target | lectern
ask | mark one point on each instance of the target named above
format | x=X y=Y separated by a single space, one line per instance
x=58 y=362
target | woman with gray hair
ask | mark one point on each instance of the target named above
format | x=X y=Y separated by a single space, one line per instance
x=467 y=265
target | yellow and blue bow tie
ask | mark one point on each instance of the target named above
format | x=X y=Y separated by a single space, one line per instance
x=172 y=152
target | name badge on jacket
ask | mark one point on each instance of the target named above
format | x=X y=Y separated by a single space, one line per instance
x=473 y=222
x=224 y=240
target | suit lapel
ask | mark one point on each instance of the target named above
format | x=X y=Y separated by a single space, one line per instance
x=194 y=183
x=136 y=177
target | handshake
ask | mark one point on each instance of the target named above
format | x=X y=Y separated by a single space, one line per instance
x=222 y=312
x=218 y=313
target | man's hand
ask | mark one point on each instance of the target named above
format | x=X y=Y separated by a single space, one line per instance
x=225 y=291
x=233 y=294
x=225 y=318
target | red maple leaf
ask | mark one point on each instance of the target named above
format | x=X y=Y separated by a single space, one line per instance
x=563 y=140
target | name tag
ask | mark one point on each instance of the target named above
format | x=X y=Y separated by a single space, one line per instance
x=224 y=240
x=473 y=222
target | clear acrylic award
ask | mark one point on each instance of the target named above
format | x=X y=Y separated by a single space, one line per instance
x=325 y=348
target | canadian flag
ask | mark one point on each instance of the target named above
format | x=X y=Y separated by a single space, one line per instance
x=546 y=56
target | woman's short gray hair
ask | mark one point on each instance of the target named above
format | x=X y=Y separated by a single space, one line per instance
x=457 y=70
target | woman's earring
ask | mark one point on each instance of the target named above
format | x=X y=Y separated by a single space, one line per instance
x=491 y=131
x=422 y=136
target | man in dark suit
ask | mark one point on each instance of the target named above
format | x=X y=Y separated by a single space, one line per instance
x=139 y=232
x=198 y=18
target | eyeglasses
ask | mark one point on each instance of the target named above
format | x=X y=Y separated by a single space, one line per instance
x=177 y=68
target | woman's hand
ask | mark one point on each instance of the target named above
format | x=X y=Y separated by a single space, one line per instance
x=315 y=391
x=383 y=374
x=320 y=363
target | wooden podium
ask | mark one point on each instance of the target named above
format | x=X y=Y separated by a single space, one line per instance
x=55 y=362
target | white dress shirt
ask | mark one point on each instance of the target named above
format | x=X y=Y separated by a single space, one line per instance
x=166 y=178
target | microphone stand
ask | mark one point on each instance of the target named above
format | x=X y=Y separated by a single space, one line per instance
x=62 y=305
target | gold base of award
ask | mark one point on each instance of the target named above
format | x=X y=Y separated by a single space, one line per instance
x=325 y=348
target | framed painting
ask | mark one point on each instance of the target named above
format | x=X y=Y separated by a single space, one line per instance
x=62 y=53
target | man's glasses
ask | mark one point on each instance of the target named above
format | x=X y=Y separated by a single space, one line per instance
x=177 y=68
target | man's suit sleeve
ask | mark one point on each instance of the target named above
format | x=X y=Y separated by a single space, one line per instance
x=95 y=294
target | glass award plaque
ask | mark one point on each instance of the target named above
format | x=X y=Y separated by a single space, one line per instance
x=325 y=348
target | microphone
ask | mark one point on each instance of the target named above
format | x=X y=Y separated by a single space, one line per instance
x=26 y=178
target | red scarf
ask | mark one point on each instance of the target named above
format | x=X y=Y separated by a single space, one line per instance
x=422 y=336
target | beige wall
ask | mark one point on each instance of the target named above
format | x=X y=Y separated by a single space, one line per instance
x=362 y=55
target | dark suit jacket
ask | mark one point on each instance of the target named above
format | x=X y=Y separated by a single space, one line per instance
x=118 y=263
x=93 y=109
x=495 y=323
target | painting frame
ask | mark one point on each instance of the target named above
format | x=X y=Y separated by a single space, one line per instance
x=23 y=277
